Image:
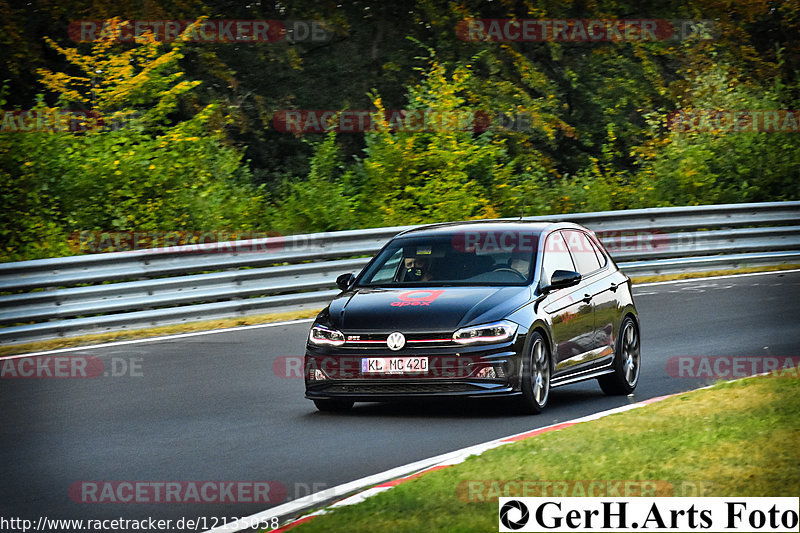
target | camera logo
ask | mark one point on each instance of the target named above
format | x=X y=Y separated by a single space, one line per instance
x=514 y=507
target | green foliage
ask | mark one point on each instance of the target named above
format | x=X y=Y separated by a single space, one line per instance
x=30 y=221
x=318 y=203
x=150 y=174
x=436 y=174
x=198 y=151
x=706 y=165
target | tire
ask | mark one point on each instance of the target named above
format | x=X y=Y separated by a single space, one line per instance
x=536 y=373
x=334 y=405
x=627 y=361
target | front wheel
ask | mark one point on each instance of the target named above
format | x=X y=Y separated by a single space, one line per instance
x=333 y=405
x=536 y=376
x=627 y=361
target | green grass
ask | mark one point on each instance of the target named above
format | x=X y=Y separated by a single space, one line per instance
x=735 y=439
x=710 y=273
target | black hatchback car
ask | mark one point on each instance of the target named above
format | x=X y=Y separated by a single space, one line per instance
x=476 y=309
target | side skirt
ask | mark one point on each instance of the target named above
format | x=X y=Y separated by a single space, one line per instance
x=581 y=376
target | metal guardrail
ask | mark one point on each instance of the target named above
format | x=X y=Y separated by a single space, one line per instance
x=67 y=296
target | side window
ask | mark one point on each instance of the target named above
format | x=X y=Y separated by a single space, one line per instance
x=389 y=270
x=583 y=252
x=601 y=256
x=556 y=256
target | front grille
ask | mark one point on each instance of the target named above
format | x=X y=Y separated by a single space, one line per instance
x=419 y=340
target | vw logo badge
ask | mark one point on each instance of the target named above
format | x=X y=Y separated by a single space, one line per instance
x=396 y=341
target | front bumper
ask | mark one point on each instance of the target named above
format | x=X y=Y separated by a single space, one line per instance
x=462 y=371
x=377 y=391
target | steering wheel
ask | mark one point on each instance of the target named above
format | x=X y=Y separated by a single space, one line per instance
x=508 y=269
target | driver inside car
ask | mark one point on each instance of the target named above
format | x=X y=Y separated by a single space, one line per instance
x=521 y=262
x=417 y=269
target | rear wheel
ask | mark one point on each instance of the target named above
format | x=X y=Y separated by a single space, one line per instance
x=333 y=405
x=536 y=373
x=627 y=361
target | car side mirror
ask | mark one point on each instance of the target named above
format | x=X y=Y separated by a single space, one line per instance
x=345 y=281
x=562 y=279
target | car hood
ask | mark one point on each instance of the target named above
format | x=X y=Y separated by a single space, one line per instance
x=423 y=309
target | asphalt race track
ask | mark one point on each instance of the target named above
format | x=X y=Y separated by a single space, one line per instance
x=211 y=408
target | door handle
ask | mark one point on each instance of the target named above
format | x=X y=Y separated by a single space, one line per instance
x=614 y=286
x=587 y=298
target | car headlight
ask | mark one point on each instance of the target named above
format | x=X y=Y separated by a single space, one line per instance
x=495 y=332
x=323 y=335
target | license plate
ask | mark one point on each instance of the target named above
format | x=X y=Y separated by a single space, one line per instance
x=393 y=365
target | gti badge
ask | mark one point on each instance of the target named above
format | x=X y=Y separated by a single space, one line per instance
x=395 y=341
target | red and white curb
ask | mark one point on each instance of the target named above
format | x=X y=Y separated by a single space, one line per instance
x=377 y=483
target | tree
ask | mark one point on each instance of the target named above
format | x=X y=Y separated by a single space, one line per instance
x=143 y=169
x=434 y=168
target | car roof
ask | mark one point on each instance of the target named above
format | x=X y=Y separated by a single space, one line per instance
x=447 y=228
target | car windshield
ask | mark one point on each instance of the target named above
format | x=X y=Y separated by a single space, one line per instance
x=475 y=257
